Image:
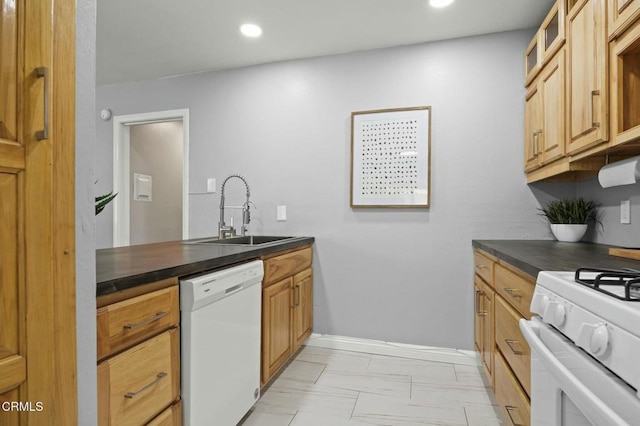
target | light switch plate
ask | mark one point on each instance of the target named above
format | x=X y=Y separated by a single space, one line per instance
x=281 y=213
x=625 y=211
x=211 y=185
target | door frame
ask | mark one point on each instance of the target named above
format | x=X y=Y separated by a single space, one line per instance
x=121 y=171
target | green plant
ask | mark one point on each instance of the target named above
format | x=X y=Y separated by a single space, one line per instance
x=570 y=211
x=103 y=200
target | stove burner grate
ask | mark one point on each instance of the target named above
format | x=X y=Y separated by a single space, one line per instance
x=627 y=278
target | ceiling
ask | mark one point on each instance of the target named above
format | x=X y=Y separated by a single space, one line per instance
x=147 y=39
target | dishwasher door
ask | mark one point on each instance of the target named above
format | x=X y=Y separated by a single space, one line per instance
x=220 y=341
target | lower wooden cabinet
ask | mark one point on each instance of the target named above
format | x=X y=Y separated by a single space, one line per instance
x=277 y=341
x=287 y=309
x=139 y=374
x=505 y=354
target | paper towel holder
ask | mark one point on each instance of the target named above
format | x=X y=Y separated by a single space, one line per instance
x=618 y=173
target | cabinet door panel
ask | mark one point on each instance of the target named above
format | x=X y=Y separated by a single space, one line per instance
x=8 y=71
x=276 y=327
x=487 y=332
x=532 y=127
x=552 y=140
x=588 y=75
x=303 y=307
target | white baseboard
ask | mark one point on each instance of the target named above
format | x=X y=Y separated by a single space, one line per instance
x=378 y=347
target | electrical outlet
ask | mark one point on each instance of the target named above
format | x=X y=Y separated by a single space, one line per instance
x=625 y=211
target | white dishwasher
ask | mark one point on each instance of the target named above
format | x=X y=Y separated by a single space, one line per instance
x=220 y=344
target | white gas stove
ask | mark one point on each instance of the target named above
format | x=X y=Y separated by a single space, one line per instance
x=585 y=341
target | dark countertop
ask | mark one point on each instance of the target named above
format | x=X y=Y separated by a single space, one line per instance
x=126 y=267
x=533 y=256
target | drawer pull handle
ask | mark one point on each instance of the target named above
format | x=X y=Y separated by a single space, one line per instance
x=482 y=313
x=156 y=317
x=513 y=292
x=510 y=343
x=159 y=377
x=509 y=409
x=481 y=267
x=478 y=293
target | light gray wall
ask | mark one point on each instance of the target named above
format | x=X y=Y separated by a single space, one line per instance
x=85 y=219
x=157 y=150
x=399 y=275
x=612 y=231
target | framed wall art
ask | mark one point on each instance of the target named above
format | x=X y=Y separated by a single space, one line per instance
x=391 y=157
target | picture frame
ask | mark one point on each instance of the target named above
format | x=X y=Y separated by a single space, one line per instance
x=391 y=158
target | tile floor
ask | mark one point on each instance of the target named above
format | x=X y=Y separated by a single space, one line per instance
x=328 y=387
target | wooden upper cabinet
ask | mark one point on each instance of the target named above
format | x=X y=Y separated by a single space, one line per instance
x=625 y=86
x=621 y=14
x=552 y=34
x=545 y=131
x=588 y=77
x=532 y=60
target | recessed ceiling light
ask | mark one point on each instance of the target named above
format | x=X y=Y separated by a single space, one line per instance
x=440 y=3
x=250 y=30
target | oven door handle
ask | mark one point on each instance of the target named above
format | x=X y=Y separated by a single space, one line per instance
x=596 y=410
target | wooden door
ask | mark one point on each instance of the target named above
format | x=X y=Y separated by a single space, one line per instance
x=277 y=319
x=532 y=126
x=303 y=307
x=37 y=213
x=588 y=89
x=552 y=140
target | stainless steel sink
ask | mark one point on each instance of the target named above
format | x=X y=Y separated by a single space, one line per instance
x=248 y=240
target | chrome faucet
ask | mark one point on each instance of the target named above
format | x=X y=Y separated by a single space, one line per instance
x=224 y=230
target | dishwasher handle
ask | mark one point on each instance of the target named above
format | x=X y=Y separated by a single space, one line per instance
x=234 y=289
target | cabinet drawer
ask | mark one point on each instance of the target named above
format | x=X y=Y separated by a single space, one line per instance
x=483 y=266
x=514 y=404
x=286 y=265
x=172 y=416
x=123 y=324
x=515 y=289
x=514 y=347
x=138 y=384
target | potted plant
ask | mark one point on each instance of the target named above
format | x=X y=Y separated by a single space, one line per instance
x=570 y=217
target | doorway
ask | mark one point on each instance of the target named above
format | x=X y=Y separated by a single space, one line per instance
x=151 y=177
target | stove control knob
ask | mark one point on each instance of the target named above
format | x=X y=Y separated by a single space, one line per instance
x=599 y=340
x=539 y=303
x=594 y=338
x=555 y=314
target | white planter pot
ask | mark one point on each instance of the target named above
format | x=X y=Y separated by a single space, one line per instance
x=568 y=233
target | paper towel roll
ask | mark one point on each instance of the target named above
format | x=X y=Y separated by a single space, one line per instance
x=625 y=172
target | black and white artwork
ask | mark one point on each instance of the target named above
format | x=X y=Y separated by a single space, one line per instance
x=390 y=158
